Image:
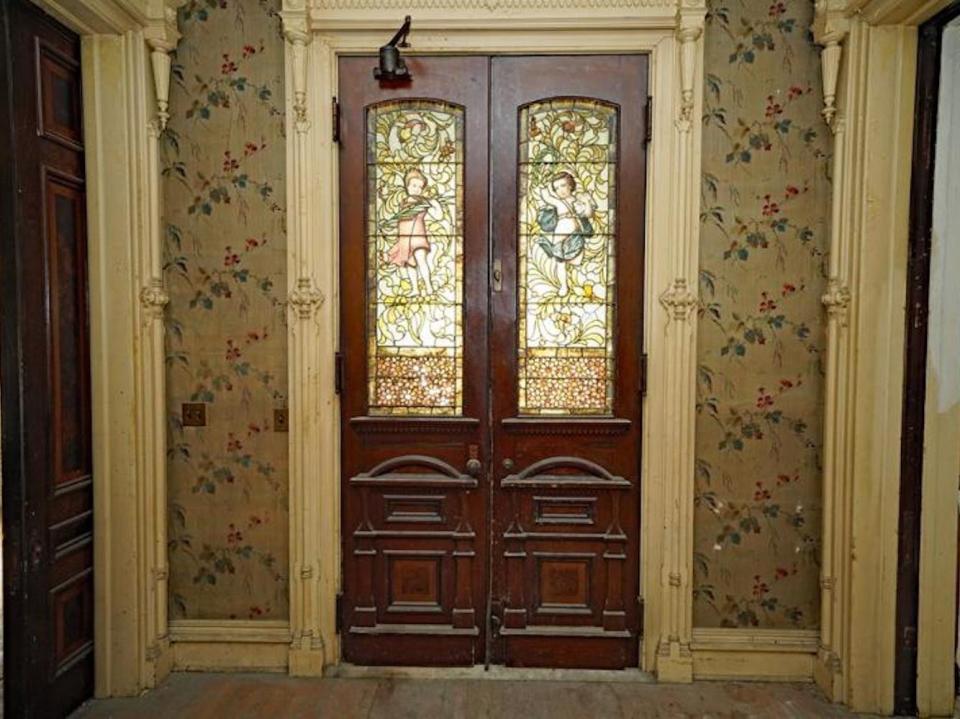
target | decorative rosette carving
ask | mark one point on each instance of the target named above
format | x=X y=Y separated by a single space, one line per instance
x=678 y=300
x=305 y=298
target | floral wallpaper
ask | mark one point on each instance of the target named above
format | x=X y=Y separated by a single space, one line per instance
x=764 y=220
x=764 y=210
x=223 y=164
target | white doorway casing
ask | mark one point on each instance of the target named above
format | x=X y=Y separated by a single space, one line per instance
x=671 y=32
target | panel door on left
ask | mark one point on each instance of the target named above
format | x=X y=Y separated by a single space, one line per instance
x=47 y=451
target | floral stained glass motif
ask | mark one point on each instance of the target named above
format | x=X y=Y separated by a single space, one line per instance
x=566 y=248
x=415 y=258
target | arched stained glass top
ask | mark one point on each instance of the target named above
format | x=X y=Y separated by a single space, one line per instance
x=415 y=258
x=566 y=247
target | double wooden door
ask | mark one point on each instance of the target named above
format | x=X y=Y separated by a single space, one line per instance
x=491 y=363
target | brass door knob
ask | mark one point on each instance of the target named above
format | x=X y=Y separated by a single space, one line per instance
x=473 y=467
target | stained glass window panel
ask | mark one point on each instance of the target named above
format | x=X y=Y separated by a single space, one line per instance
x=566 y=247
x=415 y=258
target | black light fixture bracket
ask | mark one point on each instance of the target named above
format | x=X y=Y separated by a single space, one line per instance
x=392 y=68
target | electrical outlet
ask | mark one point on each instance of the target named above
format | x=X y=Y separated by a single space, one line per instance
x=193 y=414
x=280 y=420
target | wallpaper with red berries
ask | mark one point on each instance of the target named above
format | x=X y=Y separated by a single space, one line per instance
x=764 y=208
x=223 y=163
x=764 y=220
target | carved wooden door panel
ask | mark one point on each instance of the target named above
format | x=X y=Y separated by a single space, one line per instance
x=48 y=473
x=491 y=483
x=413 y=336
x=567 y=189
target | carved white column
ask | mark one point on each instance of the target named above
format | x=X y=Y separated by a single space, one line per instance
x=830 y=29
x=677 y=371
x=161 y=36
x=310 y=352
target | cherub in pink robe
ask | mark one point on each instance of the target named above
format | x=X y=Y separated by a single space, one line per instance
x=412 y=248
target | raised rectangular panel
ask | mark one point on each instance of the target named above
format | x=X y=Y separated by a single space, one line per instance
x=413 y=508
x=59 y=114
x=564 y=510
x=71 y=606
x=563 y=584
x=413 y=581
x=64 y=202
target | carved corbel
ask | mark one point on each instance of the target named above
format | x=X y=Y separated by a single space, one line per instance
x=154 y=298
x=678 y=300
x=305 y=299
x=837 y=300
x=830 y=26
x=162 y=37
x=687 y=35
x=297 y=35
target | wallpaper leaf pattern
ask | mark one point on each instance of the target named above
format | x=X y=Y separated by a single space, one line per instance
x=764 y=202
x=765 y=195
x=223 y=166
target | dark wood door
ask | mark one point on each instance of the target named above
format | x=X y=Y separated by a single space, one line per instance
x=413 y=169
x=491 y=481
x=45 y=372
x=567 y=187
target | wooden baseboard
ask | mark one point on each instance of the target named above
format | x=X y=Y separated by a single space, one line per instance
x=754 y=654
x=230 y=645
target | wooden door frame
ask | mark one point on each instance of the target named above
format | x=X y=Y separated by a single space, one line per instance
x=672 y=35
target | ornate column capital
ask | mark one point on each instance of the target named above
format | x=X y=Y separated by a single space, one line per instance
x=678 y=299
x=305 y=298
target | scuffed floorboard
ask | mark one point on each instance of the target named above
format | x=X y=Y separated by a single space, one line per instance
x=245 y=696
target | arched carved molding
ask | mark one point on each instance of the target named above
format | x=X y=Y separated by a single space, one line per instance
x=590 y=473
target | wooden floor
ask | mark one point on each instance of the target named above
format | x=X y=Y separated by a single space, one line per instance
x=266 y=696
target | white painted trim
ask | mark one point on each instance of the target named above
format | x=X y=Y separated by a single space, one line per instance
x=223 y=656
x=672 y=35
x=230 y=645
x=873 y=144
x=755 y=654
x=230 y=631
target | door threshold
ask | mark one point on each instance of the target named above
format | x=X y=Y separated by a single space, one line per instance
x=345 y=670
